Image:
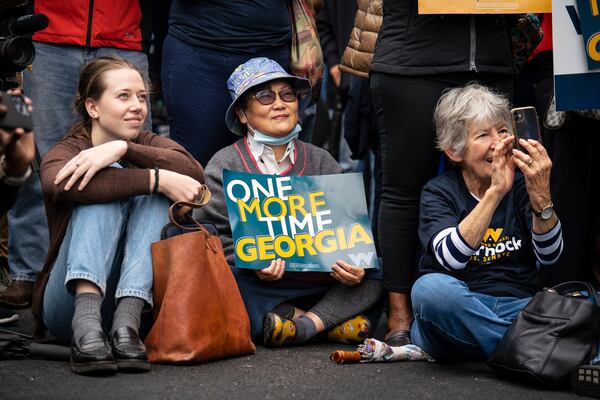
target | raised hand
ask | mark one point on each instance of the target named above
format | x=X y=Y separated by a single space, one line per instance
x=17 y=145
x=536 y=167
x=503 y=168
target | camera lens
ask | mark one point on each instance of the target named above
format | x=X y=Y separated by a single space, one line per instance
x=16 y=53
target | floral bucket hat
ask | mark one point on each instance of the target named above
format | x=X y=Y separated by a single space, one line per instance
x=253 y=72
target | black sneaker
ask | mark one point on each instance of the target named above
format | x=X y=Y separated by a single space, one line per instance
x=586 y=380
x=7 y=316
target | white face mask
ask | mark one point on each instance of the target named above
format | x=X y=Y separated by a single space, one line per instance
x=274 y=140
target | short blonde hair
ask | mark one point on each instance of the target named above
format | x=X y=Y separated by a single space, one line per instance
x=459 y=108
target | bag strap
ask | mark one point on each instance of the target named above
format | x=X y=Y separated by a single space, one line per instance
x=574 y=286
x=185 y=206
x=180 y=208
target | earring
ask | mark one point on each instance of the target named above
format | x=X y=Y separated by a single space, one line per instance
x=94 y=115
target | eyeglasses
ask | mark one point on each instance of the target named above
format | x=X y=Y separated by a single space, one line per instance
x=266 y=97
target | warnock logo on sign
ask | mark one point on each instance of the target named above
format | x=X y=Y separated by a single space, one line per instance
x=308 y=221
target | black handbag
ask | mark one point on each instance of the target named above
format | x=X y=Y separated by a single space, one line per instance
x=555 y=333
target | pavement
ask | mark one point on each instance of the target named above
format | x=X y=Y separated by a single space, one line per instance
x=290 y=373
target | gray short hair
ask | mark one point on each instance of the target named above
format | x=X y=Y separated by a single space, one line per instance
x=458 y=108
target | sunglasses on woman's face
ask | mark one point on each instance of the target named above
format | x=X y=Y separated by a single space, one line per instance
x=266 y=97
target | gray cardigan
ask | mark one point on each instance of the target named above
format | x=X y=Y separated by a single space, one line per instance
x=310 y=160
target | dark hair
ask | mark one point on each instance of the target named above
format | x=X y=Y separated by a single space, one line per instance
x=91 y=86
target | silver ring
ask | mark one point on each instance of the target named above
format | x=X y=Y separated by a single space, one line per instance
x=530 y=161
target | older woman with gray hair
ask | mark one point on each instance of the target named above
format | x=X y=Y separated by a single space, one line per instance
x=485 y=229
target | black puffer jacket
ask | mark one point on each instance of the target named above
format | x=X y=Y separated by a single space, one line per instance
x=413 y=44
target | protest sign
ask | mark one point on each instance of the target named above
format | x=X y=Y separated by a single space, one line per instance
x=308 y=221
x=484 y=6
x=589 y=16
x=575 y=85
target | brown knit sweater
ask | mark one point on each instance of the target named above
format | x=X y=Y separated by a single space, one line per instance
x=109 y=184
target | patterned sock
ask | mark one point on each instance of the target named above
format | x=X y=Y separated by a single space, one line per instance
x=128 y=313
x=305 y=329
x=87 y=316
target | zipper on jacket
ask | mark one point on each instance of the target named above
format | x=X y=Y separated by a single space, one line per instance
x=473 y=44
x=88 y=35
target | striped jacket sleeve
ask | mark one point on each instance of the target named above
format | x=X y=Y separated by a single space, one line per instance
x=451 y=249
x=548 y=246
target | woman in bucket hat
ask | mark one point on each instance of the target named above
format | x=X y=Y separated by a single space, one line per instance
x=264 y=113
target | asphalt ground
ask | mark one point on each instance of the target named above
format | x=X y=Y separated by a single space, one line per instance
x=290 y=373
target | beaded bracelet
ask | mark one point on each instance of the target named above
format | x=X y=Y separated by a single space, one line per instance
x=155 y=190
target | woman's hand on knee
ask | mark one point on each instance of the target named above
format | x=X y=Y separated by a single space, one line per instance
x=347 y=274
x=90 y=161
x=175 y=186
x=273 y=272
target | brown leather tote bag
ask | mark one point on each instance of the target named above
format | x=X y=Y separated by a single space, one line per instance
x=199 y=314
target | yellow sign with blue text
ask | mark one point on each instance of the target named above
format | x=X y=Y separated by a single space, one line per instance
x=484 y=6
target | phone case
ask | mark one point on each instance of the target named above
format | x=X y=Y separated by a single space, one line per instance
x=525 y=124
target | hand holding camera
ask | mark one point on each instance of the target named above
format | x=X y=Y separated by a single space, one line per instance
x=17 y=147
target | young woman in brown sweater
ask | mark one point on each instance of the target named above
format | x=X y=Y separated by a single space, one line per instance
x=107 y=186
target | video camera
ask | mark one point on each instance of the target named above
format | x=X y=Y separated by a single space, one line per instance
x=16 y=49
x=16 y=53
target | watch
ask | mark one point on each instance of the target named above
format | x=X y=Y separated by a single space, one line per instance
x=545 y=214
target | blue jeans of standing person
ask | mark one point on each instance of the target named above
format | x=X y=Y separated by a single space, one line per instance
x=194 y=85
x=52 y=86
x=107 y=244
x=453 y=323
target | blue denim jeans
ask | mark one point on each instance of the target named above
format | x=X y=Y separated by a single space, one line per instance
x=51 y=85
x=109 y=245
x=194 y=84
x=453 y=323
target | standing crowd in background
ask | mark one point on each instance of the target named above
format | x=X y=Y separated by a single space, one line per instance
x=419 y=104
